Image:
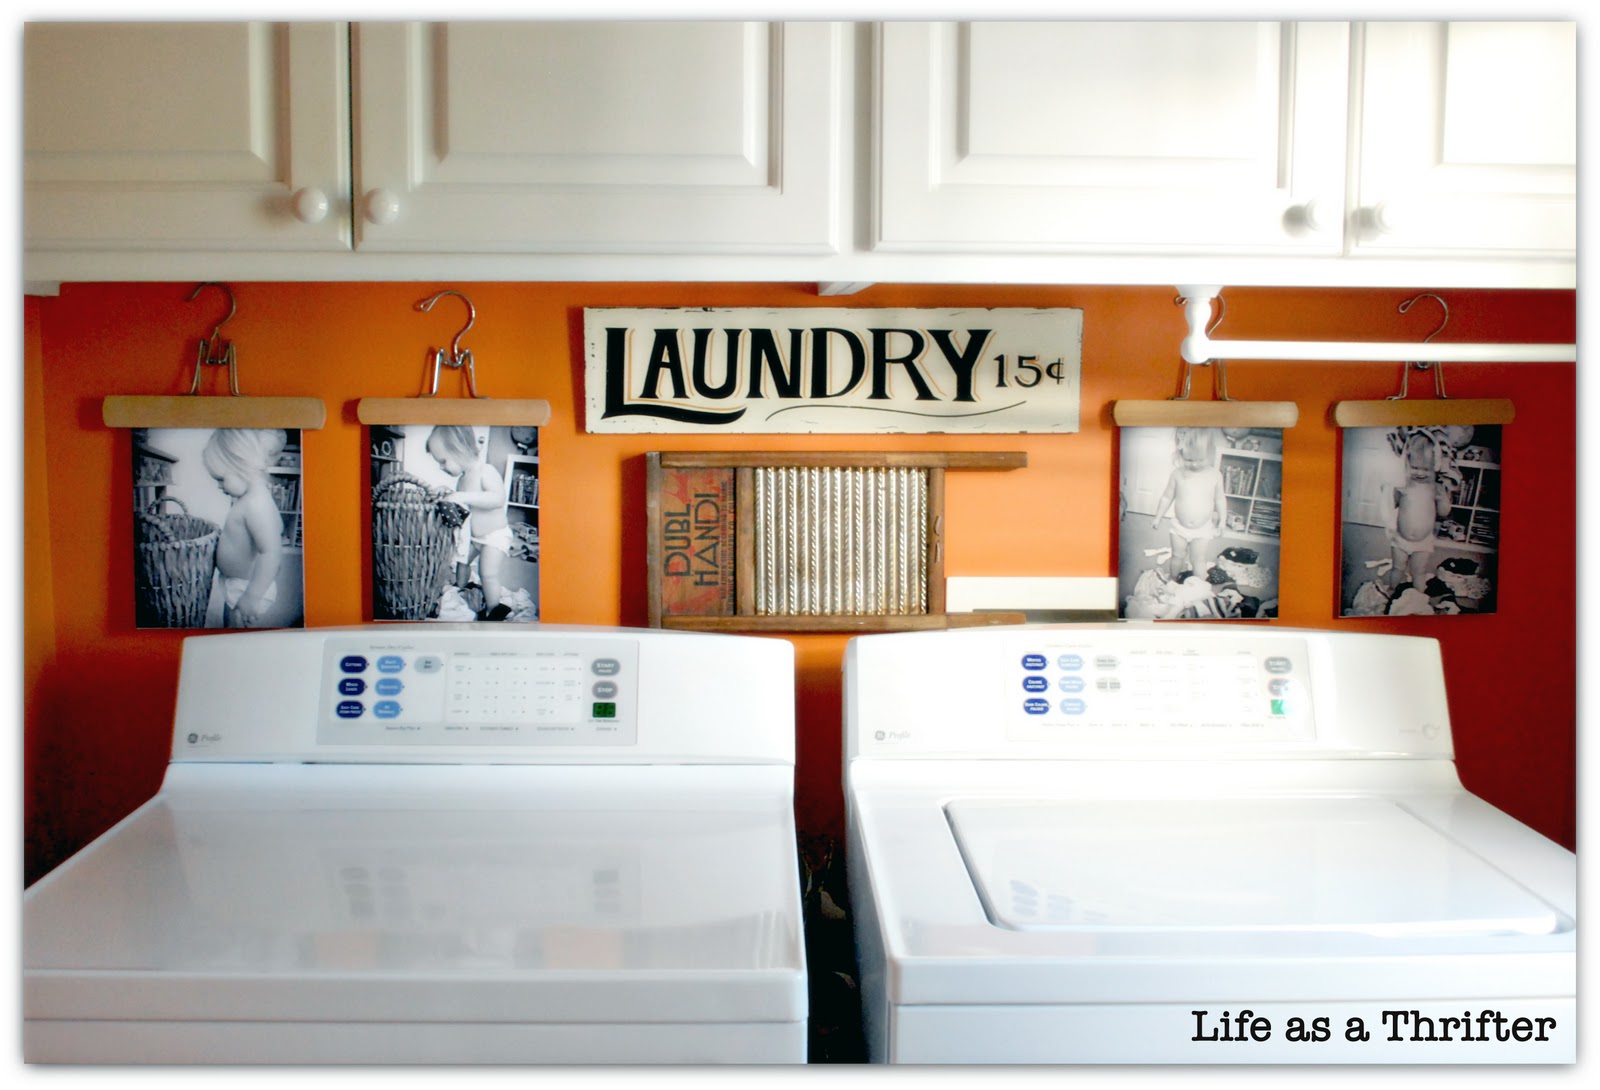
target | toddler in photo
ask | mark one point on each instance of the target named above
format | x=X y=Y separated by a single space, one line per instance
x=482 y=491
x=1195 y=497
x=1419 y=503
x=250 y=546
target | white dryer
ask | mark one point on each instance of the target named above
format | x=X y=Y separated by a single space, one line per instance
x=1131 y=843
x=443 y=844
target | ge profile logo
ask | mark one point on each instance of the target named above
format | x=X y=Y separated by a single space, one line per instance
x=879 y=736
x=193 y=738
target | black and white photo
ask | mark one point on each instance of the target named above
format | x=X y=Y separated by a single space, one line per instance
x=1420 y=520
x=1200 y=515
x=455 y=522
x=218 y=528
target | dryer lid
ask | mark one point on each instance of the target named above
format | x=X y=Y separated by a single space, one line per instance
x=1347 y=864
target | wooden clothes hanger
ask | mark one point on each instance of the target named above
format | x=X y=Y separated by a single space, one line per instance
x=475 y=408
x=192 y=410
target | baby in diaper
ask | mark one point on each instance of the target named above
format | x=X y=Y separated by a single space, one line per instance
x=250 y=546
x=1195 y=496
x=482 y=491
x=1418 y=504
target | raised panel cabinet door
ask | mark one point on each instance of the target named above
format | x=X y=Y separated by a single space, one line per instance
x=186 y=136
x=607 y=137
x=1469 y=139
x=1086 y=137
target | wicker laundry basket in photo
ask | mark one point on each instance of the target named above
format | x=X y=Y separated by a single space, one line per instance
x=413 y=546
x=175 y=554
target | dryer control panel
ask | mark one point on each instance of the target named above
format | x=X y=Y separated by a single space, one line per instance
x=486 y=691
x=1219 y=686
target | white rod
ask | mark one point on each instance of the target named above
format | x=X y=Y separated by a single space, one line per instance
x=1198 y=348
x=1398 y=351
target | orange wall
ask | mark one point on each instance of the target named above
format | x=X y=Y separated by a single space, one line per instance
x=99 y=692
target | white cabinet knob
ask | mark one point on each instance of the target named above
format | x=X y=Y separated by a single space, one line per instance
x=1307 y=218
x=1383 y=218
x=380 y=206
x=310 y=205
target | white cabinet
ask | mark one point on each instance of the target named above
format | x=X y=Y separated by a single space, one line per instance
x=1227 y=152
x=475 y=137
x=1111 y=137
x=1227 y=138
x=186 y=136
x=631 y=137
x=1468 y=139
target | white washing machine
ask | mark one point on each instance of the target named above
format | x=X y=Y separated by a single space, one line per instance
x=1131 y=843
x=443 y=844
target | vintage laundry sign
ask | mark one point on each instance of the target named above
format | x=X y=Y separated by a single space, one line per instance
x=836 y=370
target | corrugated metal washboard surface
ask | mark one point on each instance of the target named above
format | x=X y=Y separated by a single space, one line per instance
x=837 y=539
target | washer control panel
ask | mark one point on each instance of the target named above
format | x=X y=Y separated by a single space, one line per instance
x=467 y=690
x=1218 y=686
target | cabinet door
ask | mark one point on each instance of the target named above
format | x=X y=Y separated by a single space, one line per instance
x=623 y=137
x=186 y=136
x=1127 y=137
x=1468 y=139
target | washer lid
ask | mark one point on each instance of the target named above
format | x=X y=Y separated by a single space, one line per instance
x=1305 y=864
x=491 y=894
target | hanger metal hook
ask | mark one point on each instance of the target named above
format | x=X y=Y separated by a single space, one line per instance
x=1436 y=368
x=1405 y=306
x=215 y=351
x=457 y=357
x=472 y=316
x=233 y=306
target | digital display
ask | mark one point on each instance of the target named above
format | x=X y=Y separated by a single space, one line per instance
x=605 y=710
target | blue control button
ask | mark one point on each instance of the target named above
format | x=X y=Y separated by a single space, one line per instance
x=351 y=686
x=1034 y=662
x=386 y=709
x=1071 y=684
x=389 y=686
x=353 y=664
x=1072 y=706
x=1070 y=662
x=1036 y=706
x=350 y=709
x=391 y=664
x=1033 y=683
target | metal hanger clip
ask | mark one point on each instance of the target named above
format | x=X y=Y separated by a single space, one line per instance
x=456 y=357
x=1438 y=367
x=216 y=352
